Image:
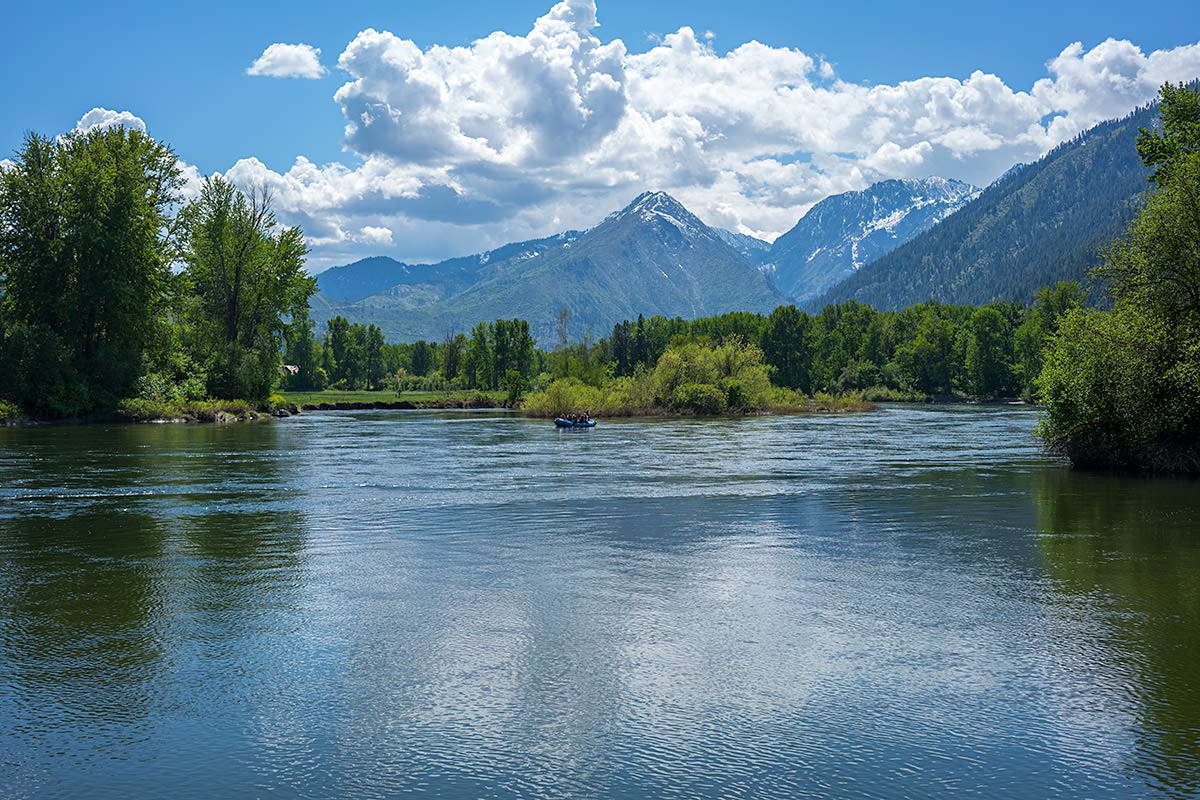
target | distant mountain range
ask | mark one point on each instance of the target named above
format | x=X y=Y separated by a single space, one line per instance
x=376 y=274
x=1039 y=224
x=896 y=243
x=842 y=233
x=652 y=257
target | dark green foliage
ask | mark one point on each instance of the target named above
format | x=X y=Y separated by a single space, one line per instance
x=785 y=340
x=83 y=266
x=1121 y=387
x=1044 y=223
x=514 y=386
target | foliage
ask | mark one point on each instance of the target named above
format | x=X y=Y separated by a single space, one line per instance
x=9 y=410
x=1120 y=387
x=514 y=386
x=140 y=409
x=84 y=254
x=244 y=279
x=692 y=376
x=1178 y=131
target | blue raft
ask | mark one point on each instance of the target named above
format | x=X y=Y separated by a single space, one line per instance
x=566 y=423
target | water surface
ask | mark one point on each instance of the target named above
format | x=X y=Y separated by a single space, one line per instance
x=914 y=603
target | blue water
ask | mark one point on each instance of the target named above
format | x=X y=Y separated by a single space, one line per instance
x=913 y=603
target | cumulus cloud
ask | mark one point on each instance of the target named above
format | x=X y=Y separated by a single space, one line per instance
x=100 y=118
x=502 y=138
x=288 y=61
x=373 y=235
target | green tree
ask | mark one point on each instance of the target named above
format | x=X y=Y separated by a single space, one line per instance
x=1178 y=132
x=84 y=256
x=338 y=350
x=785 y=348
x=301 y=352
x=422 y=358
x=246 y=278
x=986 y=360
x=376 y=371
x=1120 y=387
x=479 y=357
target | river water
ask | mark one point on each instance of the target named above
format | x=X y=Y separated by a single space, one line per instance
x=912 y=603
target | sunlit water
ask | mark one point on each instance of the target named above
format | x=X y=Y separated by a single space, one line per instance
x=914 y=603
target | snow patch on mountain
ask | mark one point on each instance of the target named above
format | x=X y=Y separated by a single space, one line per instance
x=842 y=233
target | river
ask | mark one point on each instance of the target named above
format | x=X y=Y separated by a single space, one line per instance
x=914 y=603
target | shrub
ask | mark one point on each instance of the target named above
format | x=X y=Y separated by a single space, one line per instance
x=701 y=398
x=9 y=410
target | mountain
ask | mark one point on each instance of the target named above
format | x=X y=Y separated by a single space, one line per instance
x=652 y=257
x=1042 y=223
x=843 y=232
x=753 y=250
x=379 y=273
x=363 y=278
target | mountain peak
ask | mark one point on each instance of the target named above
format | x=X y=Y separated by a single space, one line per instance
x=652 y=207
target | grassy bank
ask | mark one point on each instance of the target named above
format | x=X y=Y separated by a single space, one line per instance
x=334 y=397
x=145 y=410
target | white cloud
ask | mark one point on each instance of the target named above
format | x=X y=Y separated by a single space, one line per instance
x=6 y=164
x=288 y=61
x=375 y=235
x=466 y=147
x=100 y=118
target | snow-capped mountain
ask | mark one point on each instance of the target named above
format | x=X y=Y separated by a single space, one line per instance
x=843 y=232
x=651 y=257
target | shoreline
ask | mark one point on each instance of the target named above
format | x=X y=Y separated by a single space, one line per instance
x=262 y=412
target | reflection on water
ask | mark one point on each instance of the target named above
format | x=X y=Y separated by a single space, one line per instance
x=908 y=604
x=1129 y=550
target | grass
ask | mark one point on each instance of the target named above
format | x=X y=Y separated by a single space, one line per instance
x=382 y=395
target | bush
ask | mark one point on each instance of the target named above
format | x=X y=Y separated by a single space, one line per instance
x=8 y=410
x=701 y=398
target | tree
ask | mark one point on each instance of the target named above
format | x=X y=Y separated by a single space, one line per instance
x=246 y=278
x=339 y=349
x=422 y=358
x=479 y=357
x=986 y=362
x=301 y=351
x=1178 y=132
x=375 y=368
x=1120 y=387
x=785 y=347
x=85 y=249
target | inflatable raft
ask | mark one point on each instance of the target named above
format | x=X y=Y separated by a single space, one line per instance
x=566 y=423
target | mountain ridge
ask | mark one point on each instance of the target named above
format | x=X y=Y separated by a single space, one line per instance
x=844 y=232
x=1038 y=224
x=651 y=257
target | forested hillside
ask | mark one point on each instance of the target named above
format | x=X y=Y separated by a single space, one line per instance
x=1039 y=225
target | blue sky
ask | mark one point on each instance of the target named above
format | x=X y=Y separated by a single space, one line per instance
x=748 y=137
